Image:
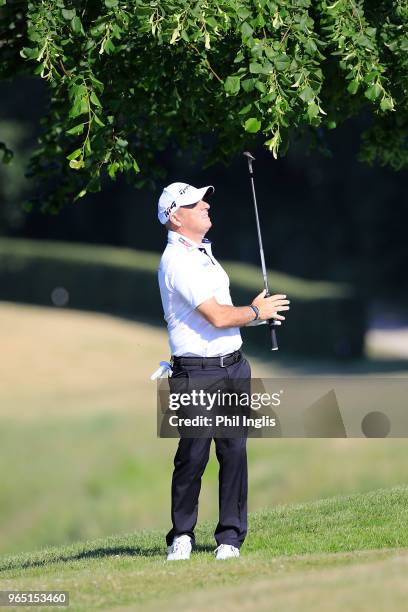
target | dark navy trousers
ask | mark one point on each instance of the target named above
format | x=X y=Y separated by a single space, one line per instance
x=192 y=456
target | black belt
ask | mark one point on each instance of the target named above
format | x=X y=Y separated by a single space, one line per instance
x=223 y=361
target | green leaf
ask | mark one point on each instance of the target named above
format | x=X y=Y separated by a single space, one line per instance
x=76 y=164
x=243 y=13
x=312 y=111
x=99 y=28
x=387 y=104
x=270 y=97
x=109 y=47
x=81 y=104
x=255 y=68
x=248 y=84
x=121 y=142
x=112 y=169
x=28 y=53
x=373 y=92
x=76 y=25
x=232 y=85
x=68 y=14
x=260 y=21
x=84 y=105
x=111 y=3
x=96 y=83
x=246 y=30
x=307 y=94
x=98 y=121
x=281 y=62
x=75 y=110
x=245 y=110
x=77 y=129
x=95 y=100
x=212 y=22
x=273 y=144
x=239 y=57
x=353 y=86
x=267 y=68
x=80 y=194
x=74 y=154
x=252 y=125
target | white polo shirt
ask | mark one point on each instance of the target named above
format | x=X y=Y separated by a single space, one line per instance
x=188 y=277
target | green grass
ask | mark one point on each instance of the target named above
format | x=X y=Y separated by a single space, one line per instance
x=79 y=459
x=317 y=555
x=79 y=456
x=65 y=479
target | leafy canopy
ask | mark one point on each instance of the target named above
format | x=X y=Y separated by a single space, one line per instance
x=127 y=78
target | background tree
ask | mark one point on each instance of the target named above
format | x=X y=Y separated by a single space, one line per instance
x=127 y=78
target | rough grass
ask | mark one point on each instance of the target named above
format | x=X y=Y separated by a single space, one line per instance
x=318 y=555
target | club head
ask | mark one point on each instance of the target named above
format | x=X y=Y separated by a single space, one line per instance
x=248 y=154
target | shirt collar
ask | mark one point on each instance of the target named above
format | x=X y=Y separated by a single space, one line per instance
x=190 y=245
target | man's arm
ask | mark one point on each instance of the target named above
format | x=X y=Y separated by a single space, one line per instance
x=223 y=315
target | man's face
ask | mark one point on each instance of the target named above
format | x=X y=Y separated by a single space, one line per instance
x=194 y=218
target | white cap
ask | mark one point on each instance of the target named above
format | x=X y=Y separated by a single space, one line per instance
x=179 y=194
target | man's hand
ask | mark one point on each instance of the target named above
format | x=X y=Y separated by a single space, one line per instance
x=269 y=307
x=224 y=315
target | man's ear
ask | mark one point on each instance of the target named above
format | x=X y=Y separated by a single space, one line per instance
x=175 y=220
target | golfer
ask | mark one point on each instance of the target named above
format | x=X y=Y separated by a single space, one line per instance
x=205 y=340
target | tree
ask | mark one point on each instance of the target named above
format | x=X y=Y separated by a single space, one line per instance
x=127 y=78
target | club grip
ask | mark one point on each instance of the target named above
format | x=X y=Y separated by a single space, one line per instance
x=274 y=342
x=272 y=325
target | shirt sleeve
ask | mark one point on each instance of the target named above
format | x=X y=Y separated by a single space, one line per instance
x=191 y=282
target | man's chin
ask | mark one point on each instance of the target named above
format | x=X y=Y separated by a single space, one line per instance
x=206 y=226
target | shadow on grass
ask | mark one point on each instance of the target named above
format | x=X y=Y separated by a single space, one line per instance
x=204 y=548
x=47 y=558
x=44 y=558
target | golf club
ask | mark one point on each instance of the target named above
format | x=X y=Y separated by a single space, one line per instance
x=271 y=322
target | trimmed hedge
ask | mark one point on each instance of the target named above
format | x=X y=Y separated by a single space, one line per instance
x=325 y=320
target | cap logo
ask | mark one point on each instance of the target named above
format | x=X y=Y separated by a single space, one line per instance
x=169 y=209
x=183 y=190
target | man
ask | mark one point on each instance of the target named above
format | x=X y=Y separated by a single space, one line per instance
x=205 y=340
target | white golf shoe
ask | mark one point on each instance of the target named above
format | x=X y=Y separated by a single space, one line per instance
x=226 y=551
x=180 y=549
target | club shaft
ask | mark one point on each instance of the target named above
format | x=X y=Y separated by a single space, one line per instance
x=271 y=322
x=258 y=228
